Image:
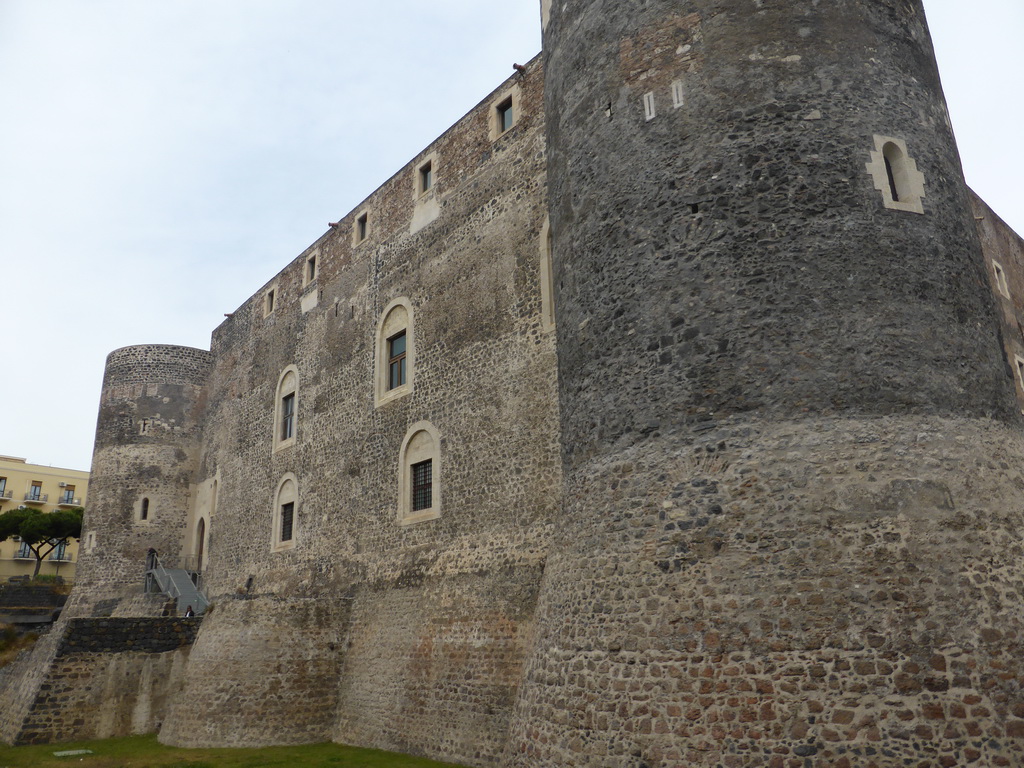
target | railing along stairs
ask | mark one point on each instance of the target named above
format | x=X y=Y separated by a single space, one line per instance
x=180 y=584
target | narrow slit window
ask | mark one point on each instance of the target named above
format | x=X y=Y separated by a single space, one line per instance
x=678 y=94
x=396 y=360
x=1001 y=284
x=422 y=485
x=311 y=269
x=144 y=510
x=649 y=111
x=892 y=180
x=362 y=224
x=268 y=305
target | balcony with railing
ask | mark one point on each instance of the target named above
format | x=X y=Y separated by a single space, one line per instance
x=68 y=500
x=6 y=495
x=36 y=498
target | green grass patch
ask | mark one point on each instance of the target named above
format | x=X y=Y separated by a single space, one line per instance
x=145 y=752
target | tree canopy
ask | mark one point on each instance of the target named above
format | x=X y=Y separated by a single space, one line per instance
x=42 y=532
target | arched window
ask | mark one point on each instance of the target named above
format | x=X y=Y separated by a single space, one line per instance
x=547 y=279
x=286 y=405
x=395 y=352
x=895 y=175
x=143 y=510
x=419 y=476
x=286 y=507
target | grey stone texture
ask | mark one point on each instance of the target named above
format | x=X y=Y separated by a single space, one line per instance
x=755 y=500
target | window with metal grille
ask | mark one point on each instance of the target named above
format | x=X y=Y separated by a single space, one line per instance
x=422 y=485
x=396 y=361
x=288 y=416
x=287 y=517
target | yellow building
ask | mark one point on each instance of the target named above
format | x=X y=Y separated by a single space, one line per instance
x=46 y=488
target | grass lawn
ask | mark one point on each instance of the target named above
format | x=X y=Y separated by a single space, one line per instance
x=145 y=752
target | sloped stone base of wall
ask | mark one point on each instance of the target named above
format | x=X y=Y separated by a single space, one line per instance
x=813 y=593
x=433 y=669
x=263 y=671
x=96 y=679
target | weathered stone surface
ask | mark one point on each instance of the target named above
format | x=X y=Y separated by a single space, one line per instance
x=756 y=501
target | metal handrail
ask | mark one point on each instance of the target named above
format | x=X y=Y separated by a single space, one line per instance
x=37 y=497
x=6 y=494
x=163 y=578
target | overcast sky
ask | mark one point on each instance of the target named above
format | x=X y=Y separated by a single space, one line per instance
x=160 y=161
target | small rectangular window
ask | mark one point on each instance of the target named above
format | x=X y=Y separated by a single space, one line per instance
x=288 y=416
x=287 y=516
x=362 y=227
x=506 y=118
x=396 y=360
x=649 y=111
x=426 y=177
x=268 y=302
x=1001 y=283
x=678 y=94
x=311 y=269
x=422 y=485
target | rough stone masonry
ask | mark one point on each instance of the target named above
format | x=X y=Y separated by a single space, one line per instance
x=665 y=411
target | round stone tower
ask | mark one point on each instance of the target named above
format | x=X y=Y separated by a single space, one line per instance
x=793 y=500
x=142 y=468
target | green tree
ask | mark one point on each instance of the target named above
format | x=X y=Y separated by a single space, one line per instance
x=42 y=532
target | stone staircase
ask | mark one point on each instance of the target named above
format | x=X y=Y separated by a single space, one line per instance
x=178 y=584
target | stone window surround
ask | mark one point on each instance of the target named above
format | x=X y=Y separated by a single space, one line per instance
x=418 y=193
x=426 y=166
x=422 y=443
x=908 y=180
x=361 y=227
x=287 y=492
x=310 y=268
x=1000 y=275
x=390 y=324
x=144 y=510
x=286 y=386
x=270 y=300
x=513 y=92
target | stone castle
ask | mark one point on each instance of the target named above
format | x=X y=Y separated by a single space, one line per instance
x=665 y=411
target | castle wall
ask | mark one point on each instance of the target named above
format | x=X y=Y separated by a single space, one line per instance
x=1003 y=250
x=443 y=605
x=791 y=452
